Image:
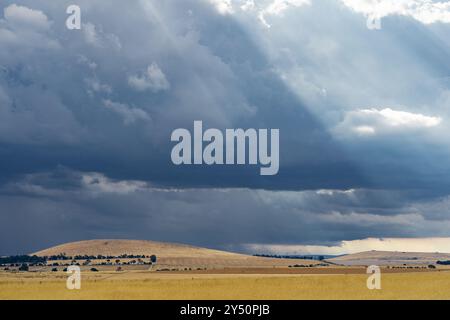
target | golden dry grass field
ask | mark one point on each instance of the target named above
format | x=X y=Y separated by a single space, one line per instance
x=179 y=286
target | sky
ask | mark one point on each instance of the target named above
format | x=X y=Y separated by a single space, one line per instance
x=360 y=91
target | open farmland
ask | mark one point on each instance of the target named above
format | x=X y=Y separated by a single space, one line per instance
x=187 y=272
x=148 y=285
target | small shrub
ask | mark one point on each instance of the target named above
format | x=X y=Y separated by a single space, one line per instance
x=24 y=267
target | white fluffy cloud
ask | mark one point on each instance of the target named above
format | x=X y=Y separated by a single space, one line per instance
x=95 y=86
x=129 y=114
x=377 y=121
x=90 y=33
x=425 y=11
x=99 y=183
x=277 y=7
x=262 y=9
x=96 y=37
x=21 y=16
x=23 y=27
x=153 y=79
x=223 y=6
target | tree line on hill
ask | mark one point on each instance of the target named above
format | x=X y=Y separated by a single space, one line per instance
x=63 y=256
x=300 y=257
x=24 y=261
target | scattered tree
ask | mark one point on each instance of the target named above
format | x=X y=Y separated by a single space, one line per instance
x=24 y=267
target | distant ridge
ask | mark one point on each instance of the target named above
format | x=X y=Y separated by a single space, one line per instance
x=383 y=258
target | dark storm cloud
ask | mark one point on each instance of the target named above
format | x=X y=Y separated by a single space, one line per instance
x=73 y=98
x=60 y=206
x=76 y=96
x=86 y=117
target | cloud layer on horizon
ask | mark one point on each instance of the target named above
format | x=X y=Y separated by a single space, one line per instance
x=69 y=205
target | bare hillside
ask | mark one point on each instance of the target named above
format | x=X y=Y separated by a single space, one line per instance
x=170 y=254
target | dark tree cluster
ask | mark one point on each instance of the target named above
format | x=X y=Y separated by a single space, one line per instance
x=23 y=262
x=21 y=259
x=63 y=256
x=300 y=257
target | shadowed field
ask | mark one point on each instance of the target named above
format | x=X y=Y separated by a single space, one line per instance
x=151 y=285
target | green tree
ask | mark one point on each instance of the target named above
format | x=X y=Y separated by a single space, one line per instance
x=24 y=267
